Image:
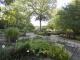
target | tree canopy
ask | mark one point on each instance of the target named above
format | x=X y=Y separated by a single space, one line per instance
x=16 y=15
x=41 y=9
x=68 y=18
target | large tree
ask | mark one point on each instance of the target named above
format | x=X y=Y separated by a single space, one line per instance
x=23 y=15
x=41 y=9
x=21 y=10
x=68 y=18
x=17 y=15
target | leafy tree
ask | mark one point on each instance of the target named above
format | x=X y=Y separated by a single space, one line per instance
x=20 y=11
x=17 y=16
x=41 y=9
x=8 y=2
x=68 y=18
x=9 y=17
x=23 y=15
x=2 y=22
x=50 y=25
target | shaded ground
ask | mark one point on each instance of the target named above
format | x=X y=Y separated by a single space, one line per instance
x=72 y=45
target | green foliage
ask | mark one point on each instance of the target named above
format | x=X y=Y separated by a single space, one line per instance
x=12 y=34
x=28 y=28
x=9 y=18
x=0 y=8
x=50 y=25
x=78 y=37
x=67 y=18
x=40 y=33
x=41 y=9
x=8 y=2
x=43 y=31
x=44 y=49
x=2 y=24
x=5 y=53
x=16 y=16
x=38 y=48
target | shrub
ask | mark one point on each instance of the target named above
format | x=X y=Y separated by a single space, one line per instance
x=10 y=53
x=12 y=34
x=43 y=49
x=5 y=53
x=78 y=37
x=41 y=33
x=37 y=48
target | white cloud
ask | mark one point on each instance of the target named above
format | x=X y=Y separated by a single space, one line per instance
x=62 y=3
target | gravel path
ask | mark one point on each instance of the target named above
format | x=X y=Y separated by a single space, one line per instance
x=72 y=45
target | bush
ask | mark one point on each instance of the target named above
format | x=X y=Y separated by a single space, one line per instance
x=12 y=34
x=78 y=37
x=9 y=53
x=36 y=48
x=42 y=48
x=5 y=53
x=41 y=33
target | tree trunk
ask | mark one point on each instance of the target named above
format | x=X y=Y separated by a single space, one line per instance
x=40 y=25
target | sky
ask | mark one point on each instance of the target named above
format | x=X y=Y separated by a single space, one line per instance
x=1 y=3
x=60 y=4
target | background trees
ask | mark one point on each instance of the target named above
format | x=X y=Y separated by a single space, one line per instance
x=68 y=19
x=16 y=15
